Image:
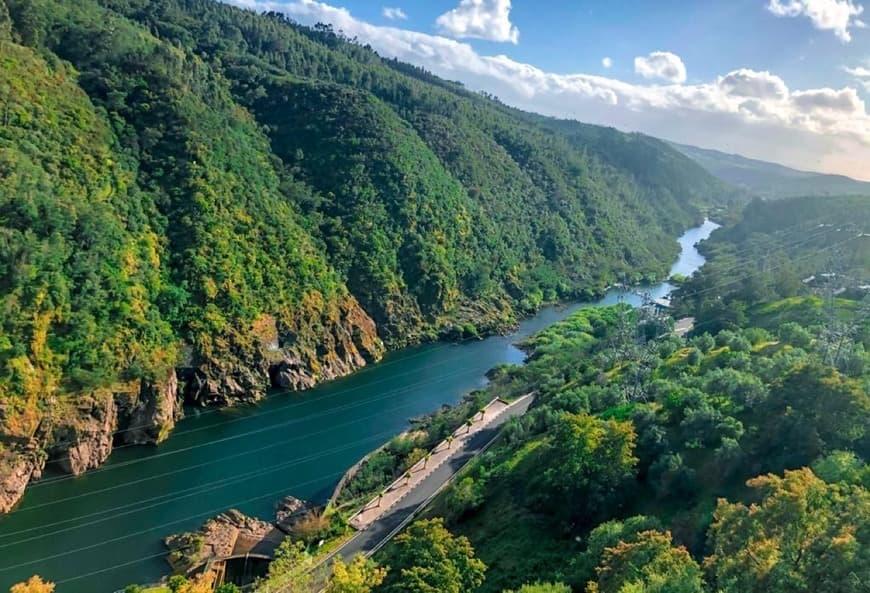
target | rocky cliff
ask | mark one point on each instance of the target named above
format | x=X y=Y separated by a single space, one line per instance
x=320 y=340
x=78 y=432
x=329 y=340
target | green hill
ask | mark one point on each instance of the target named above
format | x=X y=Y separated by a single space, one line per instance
x=200 y=203
x=769 y=180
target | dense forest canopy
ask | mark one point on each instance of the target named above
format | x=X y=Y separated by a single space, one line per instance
x=730 y=460
x=199 y=203
x=197 y=192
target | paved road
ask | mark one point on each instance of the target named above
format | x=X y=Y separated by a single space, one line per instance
x=376 y=534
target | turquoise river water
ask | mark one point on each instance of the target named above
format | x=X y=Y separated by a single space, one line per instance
x=100 y=531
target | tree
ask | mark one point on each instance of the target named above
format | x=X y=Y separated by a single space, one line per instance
x=813 y=410
x=804 y=535
x=176 y=582
x=796 y=335
x=358 y=576
x=33 y=585
x=227 y=588
x=651 y=564
x=608 y=535
x=199 y=584
x=289 y=571
x=842 y=466
x=671 y=478
x=543 y=588
x=427 y=558
x=589 y=460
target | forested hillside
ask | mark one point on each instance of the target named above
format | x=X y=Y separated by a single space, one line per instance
x=731 y=461
x=199 y=203
x=782 y=249
x=769 y=180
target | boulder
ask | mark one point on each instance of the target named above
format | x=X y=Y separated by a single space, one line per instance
x=290 y=511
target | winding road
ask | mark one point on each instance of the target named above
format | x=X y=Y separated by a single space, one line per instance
x=379 y=532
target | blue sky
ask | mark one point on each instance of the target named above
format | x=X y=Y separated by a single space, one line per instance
x=711 y=36
x=782 y=80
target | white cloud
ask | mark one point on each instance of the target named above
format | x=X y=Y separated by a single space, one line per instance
x=749 y=83
x=861 y=74
x=480 y=19
x=826 y=15
x=606 y=62
x=744 y=111
x=661 y=64
x=394 y=14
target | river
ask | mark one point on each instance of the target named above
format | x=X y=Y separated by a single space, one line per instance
x=98 y=532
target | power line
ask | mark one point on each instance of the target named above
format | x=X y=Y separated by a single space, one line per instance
x=755 y=273
x=206 y=463
x=175 y=495
x=145 y=558
x=327 y=412
x=332 y=395
x=375 y=366
x=209 y=512
x=785 y=244
x=282 y=393
x=290 y=422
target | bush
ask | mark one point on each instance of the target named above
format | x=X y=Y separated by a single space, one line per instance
x=176 y=582
x=705 y=342
x=796 y=335
x=465 y=497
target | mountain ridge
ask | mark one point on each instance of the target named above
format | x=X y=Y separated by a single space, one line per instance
x=267 y=205
x=771 y=180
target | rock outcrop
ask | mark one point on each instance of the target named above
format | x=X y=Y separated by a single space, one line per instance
x=152 y=415
x=81 y=438
x=291 y=510
x=17 y=467
x=320 y=340
x=229 y=534
x=80 y=430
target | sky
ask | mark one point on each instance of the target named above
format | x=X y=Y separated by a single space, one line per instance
x=786 y=81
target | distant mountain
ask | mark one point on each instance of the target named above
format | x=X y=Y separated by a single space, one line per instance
x=769 y=180
x=199 y=203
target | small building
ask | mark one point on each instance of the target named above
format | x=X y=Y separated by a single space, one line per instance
x=662 y=304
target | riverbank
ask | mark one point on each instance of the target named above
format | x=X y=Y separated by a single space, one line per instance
x=105 y=529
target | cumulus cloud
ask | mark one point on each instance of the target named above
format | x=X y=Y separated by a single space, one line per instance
x=480 y=19
x=662 y=65
x=826 y=15
x=606 y=62
x=745 y=111
x=749 y=83
x=394 y=14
